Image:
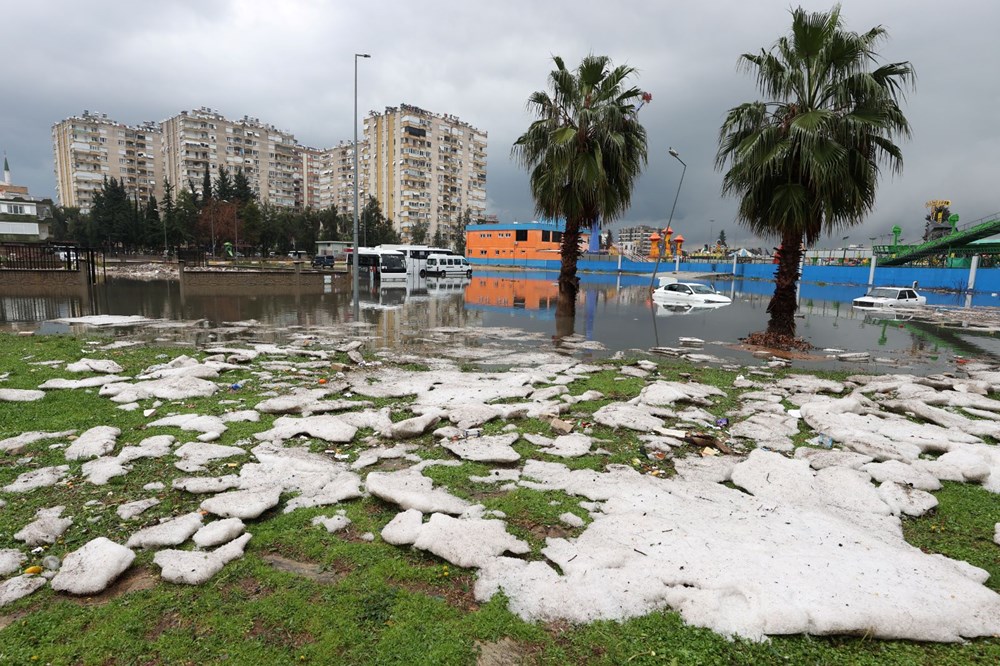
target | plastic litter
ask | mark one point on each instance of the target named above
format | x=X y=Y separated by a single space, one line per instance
x=236 y=387
x=722 y=422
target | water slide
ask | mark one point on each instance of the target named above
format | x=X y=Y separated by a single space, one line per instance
x=897 y=255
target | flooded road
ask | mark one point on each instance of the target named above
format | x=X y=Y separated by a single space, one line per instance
x=614 y=313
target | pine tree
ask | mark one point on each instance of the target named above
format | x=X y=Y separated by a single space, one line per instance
x=722 y=238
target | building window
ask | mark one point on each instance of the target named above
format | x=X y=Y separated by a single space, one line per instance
x=521 y=235
x=557 y=237
x=546 y=236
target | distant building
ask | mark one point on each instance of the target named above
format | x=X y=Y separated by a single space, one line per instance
x=636 y=239
x=23 y=218
x=91 y=147
x=421 y=166
x=516 y=243
x=424 y=167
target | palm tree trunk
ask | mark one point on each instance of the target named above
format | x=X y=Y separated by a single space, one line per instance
x=783 y=304
x=570 y=252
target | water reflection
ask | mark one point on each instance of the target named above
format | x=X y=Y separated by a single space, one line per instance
x=613 y=310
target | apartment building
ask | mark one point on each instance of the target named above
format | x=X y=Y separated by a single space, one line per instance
x=204 y=140
x=421 y=166
x=635 y=239
x=91 y=147
x=424 y=167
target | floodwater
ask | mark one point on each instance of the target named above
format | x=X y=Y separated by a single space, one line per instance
x=614 y=313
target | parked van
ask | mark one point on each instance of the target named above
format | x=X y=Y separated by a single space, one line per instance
x=415 y=255
x=446 y=264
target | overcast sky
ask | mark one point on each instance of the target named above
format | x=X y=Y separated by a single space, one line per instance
x=290 y=63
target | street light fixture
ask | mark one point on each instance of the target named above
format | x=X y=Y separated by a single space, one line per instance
x=355 y=284
x=673 y=153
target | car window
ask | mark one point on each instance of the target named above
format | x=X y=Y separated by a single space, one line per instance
x=902 y=296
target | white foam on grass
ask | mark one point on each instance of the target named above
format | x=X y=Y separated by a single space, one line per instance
x=37 y=478
x=101 y=470
x=168 y=388
x=465 y=541
x=20 y=395
x=171 y=532
x=194 y=455
x=19 y=587
x=130 y=510
x=328 y=427
x=102 y=365
x=197 y=567
x=93 y=567
x=10 y=560
x=488 y=448
x=411 y=490
x=738 y=564
x=16 y=444
x=93 y=443
x=313 y=479
x=218 y=532
x=243 y=504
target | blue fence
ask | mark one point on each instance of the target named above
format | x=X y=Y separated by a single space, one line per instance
x=951 y=279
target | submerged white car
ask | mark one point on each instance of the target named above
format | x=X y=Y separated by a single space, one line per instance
x=890 y=297
x=689 y=293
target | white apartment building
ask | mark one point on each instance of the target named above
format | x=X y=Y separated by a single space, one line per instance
x=421 y=166
x=203 y=139
x=91 y=147
x=424 y=167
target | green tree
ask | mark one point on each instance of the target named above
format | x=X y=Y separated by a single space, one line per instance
x=242 y=190
x=722 y=238
x=206 y=187
x=418 y=232
x=805 y=161
x=187 y=217
x=438 y=237
x=224 y=188
x=152 y=226
x=169 y=215
x=584 y=151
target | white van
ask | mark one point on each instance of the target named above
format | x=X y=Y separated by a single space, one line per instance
x=446 y=264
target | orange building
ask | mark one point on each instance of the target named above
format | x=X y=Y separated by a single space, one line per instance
x=516 y=243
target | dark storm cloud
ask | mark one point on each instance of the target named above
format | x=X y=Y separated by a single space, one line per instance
x=291 y=64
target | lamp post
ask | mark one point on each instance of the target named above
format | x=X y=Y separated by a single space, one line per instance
x=357 y=302
x=676 y=156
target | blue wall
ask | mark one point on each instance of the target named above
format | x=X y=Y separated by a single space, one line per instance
x=951 y=279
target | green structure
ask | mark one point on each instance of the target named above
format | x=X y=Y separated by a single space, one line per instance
x=943 y=236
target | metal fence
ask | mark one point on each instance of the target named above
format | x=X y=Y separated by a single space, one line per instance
x=30 y=256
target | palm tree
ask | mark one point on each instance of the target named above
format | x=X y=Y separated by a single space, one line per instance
x=807 y=161
x=584 y=151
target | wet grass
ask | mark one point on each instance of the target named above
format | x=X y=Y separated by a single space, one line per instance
x=348 y=600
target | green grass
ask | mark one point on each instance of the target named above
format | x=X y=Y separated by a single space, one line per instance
x=360 y=602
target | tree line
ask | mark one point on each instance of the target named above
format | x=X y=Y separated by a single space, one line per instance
x=225 y=215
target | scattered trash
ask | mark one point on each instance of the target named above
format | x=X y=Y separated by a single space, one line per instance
x=472 y=432
x=33 y=570
x=322 y=380
x=705 y=452
x=236 y=387
x=722 y=422
x=708 y=441
x=823 y=440
x=560 y=426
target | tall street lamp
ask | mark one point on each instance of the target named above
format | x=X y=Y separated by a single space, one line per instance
x=675 y=155
x=355 y=284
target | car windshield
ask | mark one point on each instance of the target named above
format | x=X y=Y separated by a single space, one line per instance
x=881 y=292
x=701 y=289
x=392 y=262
